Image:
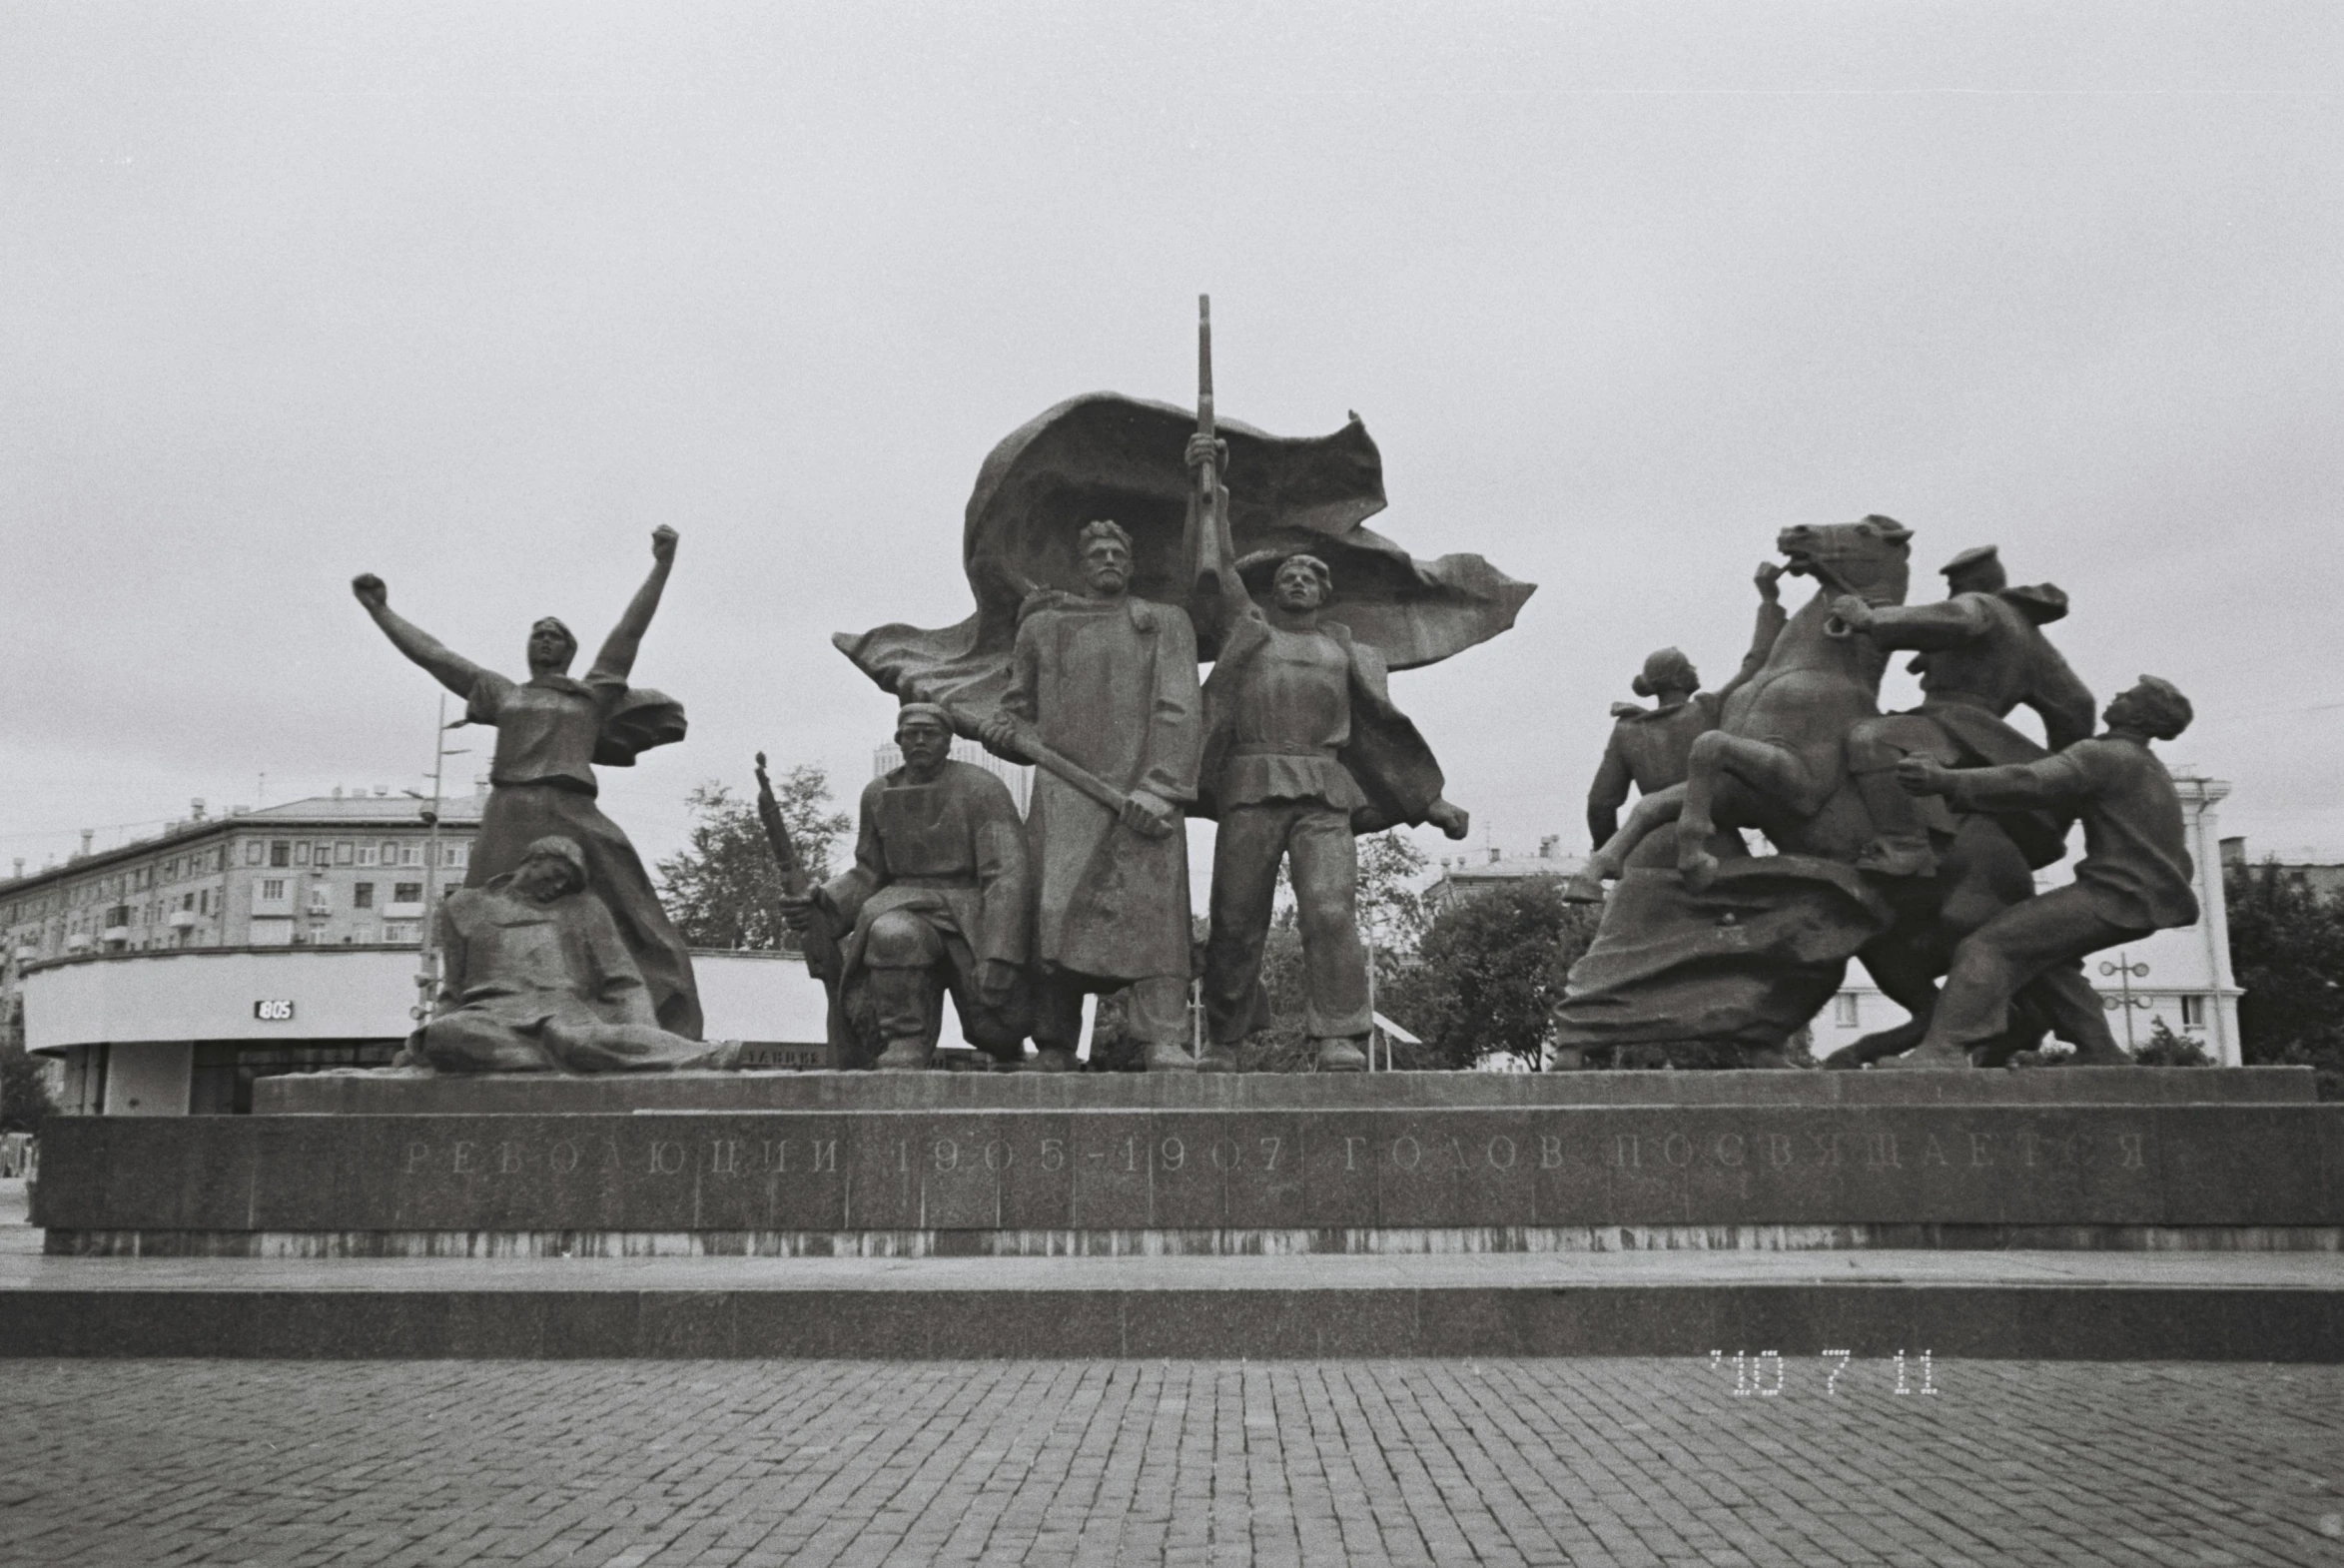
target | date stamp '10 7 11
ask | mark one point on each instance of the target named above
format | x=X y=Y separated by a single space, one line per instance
x=1766 y=1375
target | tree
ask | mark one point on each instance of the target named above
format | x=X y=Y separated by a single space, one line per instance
x=2287 y=950
x=24 y=1093
x=1391 y=898
x=723 y=889
x=1489 y=973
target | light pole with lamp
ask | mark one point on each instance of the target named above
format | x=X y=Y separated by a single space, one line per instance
x=426 y=954
x=2122 y=966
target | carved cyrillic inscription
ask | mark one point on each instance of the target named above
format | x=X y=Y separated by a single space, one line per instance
x=1651 y=1155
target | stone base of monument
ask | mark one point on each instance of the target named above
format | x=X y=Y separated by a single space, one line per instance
x=855 y=1213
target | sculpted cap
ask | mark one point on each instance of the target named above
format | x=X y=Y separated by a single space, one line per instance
x=556 y=845
x=923 y=711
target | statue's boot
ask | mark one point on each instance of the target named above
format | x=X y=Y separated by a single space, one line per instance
x=1053 y=1059
x=1169 y=1056
x=1340 y=1056
x=904 y=1055
x=1939 y=1057
x=1585 y=888
x=1218 y=1058
x=901 y=998
x=1901 y=847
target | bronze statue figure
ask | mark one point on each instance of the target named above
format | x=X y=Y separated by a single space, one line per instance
x=939 y=899
x=536 y=979
x=1107 y=682
x=1980 y=653
x=1303 y=749
x=2134 y=877
x=550 y=731
x=1650 y=748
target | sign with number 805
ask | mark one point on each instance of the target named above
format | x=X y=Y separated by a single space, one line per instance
x=272 y=1010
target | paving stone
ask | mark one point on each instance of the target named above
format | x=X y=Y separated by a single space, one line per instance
x=1581 y=1461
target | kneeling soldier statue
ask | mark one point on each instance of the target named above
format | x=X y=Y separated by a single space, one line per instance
x=939 y=899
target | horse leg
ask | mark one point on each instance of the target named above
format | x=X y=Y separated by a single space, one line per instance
x=1907 y=976
x=1770 y=770
x=1610 y=863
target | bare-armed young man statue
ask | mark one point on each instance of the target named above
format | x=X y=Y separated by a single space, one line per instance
x=1303 y=748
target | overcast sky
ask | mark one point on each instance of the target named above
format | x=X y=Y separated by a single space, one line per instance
x=473 y=296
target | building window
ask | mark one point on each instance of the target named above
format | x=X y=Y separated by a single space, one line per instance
x=407 y=893
x=301 y=854
x=204 y=902
x=344 y=853
x=362 y=896
x=254 y=852
x=400 y=930
x=280 y=853
x=390 y=852
x=369 y=855
x=273 y=889
x=1844 y=1011
x=2193 y=1012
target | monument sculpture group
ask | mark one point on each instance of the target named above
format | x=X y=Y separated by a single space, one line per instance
x=1179 y=619
x=1113 y=545
x=1906 y=840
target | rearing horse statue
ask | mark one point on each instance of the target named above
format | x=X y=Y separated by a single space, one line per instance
x=1777 y=762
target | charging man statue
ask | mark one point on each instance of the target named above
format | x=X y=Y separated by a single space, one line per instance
x=2134 y=877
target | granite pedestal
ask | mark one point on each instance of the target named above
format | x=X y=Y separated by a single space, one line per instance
x=1404 y=1213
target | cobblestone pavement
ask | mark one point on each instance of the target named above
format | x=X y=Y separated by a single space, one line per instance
x=623 y=1464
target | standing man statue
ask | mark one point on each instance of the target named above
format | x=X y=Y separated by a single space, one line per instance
x=2134 y=877
x=550 y=731
x=1982 y=653
x=937 y=900
x=1107 y=682
x=538 y=980
x=1303 y=749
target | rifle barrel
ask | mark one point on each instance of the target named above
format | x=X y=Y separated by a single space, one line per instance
x=1204 y=364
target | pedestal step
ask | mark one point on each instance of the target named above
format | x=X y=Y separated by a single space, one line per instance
x=1797 y=1308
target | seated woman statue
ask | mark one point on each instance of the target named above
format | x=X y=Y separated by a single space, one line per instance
x=536 y=980
x=550 y=730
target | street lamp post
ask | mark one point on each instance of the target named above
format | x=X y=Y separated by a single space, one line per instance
x=2122 y=965
x=426 y=952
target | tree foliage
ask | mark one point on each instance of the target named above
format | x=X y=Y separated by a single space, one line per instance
x=1489 y=973
x=723 y=889
x=24 y=1094
x=2288 y=952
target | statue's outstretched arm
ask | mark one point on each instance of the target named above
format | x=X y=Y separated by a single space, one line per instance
x=1947 y=624
x=1772 y=618
x=453 y=670
x=617 y=659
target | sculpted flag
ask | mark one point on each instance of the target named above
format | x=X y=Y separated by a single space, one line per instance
x=1104 y=456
